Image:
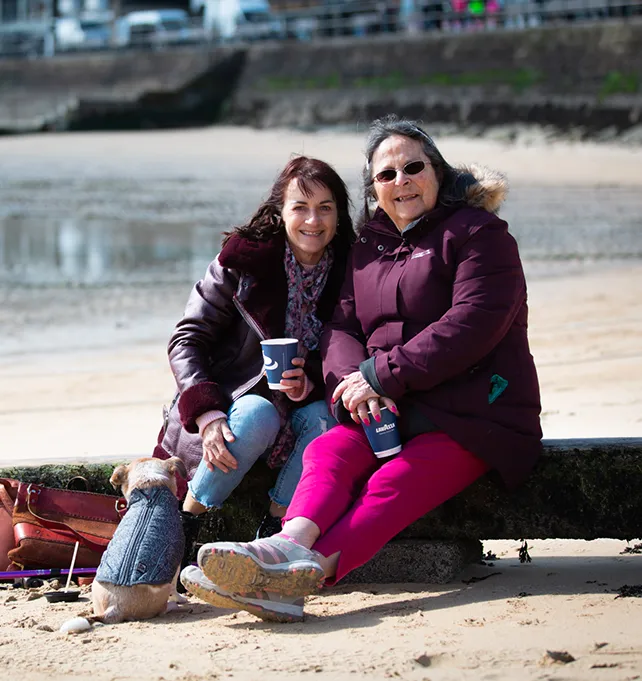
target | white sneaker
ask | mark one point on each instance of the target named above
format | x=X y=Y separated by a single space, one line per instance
x=267 y=605
x=274 y=564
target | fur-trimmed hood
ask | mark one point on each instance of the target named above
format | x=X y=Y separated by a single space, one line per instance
x=481 y=187
x=469 y=186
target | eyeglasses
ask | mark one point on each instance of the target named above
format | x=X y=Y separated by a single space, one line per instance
x=388 y=175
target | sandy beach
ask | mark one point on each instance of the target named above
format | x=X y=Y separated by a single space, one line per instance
x=84 y=376
x=500 y=628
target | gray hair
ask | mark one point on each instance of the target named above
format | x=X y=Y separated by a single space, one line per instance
x=451 y=182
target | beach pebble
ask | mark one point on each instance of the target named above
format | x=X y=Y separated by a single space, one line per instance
x=44 y=627
x=557 y=657
x=26 y=623
x=423 y=660
x=75 y=626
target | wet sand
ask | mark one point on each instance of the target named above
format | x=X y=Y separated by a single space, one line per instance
x=216 y=153
x=84 y=376
x=153 y=191
x=89 y=366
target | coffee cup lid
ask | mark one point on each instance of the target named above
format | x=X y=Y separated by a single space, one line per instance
x=381 y=408
x=279 y=341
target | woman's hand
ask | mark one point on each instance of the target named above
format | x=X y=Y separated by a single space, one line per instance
x=293 y=380
x=215 y=453
x=359 y=397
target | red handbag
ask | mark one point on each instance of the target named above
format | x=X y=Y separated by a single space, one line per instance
x=48 y=522
x=8 y=491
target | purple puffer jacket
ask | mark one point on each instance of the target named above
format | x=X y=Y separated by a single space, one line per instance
x=442 y=311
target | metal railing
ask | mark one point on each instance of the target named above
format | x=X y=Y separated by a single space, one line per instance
x=368 y=17
x=35 y=38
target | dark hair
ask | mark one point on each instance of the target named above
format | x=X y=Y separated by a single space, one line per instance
x=267 y=222
x=451 y=182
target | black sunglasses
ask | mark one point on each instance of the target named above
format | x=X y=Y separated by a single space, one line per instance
x=388 y=175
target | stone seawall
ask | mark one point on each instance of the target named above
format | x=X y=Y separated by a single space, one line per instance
x=119 y=90
x=589 y=76
x=573 y=76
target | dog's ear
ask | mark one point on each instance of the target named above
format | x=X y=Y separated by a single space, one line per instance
x=119 y=476
x=175 y=464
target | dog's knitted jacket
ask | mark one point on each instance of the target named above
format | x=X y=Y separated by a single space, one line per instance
x=148 y=545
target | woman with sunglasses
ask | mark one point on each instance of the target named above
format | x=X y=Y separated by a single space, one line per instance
x=432 y=324
x=278 y=275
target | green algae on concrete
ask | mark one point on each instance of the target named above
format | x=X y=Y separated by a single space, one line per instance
x=518 y=79
x=580 y=489
x=59 y=475
x=619 y=83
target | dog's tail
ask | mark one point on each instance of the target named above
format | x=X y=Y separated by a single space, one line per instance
x=110 y=616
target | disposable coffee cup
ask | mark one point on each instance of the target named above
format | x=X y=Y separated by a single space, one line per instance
x=383 y=435
x=278 y=354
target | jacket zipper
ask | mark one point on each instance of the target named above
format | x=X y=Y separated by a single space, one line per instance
x=248 y=319
x=167 y=410
x=251 y=322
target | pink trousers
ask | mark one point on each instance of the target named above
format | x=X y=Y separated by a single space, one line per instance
x=360 y=503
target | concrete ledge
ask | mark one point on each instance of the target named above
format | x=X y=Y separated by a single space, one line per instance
x=416 y=561
x=581 y=489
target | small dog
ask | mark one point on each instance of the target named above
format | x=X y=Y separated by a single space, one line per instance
x=137 y=575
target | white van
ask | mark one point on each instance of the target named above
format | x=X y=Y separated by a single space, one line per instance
x=236 y=19
x=154 y=28
x=72 y=33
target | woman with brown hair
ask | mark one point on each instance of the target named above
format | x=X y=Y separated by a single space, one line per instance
x=278 y=275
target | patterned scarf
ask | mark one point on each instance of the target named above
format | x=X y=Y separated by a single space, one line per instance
x=304 y=289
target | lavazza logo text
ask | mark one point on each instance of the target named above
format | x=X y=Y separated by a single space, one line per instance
x=383 y=429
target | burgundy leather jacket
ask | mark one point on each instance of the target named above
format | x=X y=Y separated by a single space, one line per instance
x=215 y=352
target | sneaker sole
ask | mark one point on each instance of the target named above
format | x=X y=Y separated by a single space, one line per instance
x=253 y=607
x=240 y=572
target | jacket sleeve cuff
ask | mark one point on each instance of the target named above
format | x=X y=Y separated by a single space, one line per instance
x=205 y=419
x=367 y=369
x=340 y=413
x=197 y=400
x=307 y=389
x=389 y=384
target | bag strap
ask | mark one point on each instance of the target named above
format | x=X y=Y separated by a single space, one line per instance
x=6 y=499
x=33 y=492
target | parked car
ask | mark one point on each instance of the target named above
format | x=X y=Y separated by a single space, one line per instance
x=155 y=28
x=22 y=39
x=81 y=34
x=237 y=19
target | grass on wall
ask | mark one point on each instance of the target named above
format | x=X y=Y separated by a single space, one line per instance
x=518 y=79
x=618 y=83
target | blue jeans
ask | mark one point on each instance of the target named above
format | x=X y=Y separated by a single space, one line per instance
x=255 y=423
